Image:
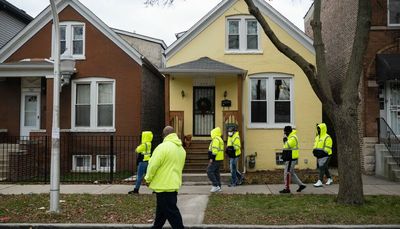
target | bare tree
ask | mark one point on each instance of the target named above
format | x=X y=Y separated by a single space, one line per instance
x=342 y=109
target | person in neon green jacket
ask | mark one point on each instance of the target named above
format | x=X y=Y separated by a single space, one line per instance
x=323 y=151
x=164 y=176
x=215 y=156
x=144 y=152
x=233 y=150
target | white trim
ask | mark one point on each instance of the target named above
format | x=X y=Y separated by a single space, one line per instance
x=34 y=92
x=93 y=82
x=105 y=169
x=69 y=40
x=45 y=17
x=243 y=19
x=216 y=12
x=81 y=168
x=388 y=15
x=270 y=101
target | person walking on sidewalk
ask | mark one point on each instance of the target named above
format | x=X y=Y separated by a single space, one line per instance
x=144 y=154
x=233 y=151
x=215 y=156
x=290 y=155
x=164 y=176
x=323 y=151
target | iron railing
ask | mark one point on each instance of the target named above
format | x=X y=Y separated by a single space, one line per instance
x=389 y=139
x=83 y=158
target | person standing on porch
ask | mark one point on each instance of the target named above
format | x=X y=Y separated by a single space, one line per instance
x=215 y=156
x=290 y=155
x=164 y=176
x=323 y=151
x=233 y=151
x=144 y=155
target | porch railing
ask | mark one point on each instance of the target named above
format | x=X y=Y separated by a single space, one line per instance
x=389 y=139
x=231 y=118
x=84 y=158
x=176 y=120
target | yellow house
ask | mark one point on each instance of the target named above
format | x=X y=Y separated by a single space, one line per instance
x=225 y=71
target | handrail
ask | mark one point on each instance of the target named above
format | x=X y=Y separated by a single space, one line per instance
x=389 y=139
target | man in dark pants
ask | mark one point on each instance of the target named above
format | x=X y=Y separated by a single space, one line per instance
x=164 y=175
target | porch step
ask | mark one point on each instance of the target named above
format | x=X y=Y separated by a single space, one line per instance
x=197 y=157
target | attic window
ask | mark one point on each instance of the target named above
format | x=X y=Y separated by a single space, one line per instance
x=242 y=34
x=72 y=39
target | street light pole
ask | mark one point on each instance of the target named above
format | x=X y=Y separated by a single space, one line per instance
x=55 y=131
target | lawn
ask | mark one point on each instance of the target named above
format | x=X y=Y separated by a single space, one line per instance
x=127 y=209
x=299 y=209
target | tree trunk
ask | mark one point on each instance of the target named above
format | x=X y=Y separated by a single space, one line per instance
x=349 y=166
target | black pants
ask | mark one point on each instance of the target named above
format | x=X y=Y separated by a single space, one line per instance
x=167 y=209
x=213 y=173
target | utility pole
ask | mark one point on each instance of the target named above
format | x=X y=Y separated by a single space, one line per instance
x=55 y=131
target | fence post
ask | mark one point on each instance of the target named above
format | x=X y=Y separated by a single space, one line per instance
x=111 y=158
x=378 y=122
x=45 y=158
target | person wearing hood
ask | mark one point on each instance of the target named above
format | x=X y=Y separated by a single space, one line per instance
x=164 y=177
x=290 y=155
x=215 y=156
x=233 y=150
x=323 y=151
x=144 y=154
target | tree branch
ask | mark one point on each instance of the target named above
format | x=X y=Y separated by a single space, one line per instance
x=308 y=68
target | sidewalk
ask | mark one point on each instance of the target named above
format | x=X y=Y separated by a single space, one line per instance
x=196 y=196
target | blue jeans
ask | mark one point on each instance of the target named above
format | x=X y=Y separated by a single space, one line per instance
x=236 y=175
x=141 y=171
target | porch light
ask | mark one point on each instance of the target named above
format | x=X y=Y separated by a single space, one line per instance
x=183 y=93
x=225 y=94
x=67 y=68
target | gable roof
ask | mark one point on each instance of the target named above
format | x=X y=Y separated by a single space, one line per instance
x=204 y=65
x=45 y=17
x=223 y=6
x=142 y=37
x=18 y=13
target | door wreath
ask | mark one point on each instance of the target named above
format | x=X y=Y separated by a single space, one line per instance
x=204 y=105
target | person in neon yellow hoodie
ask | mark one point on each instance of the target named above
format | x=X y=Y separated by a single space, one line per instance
x=215 y=156
x=144 y=152
x=164 y=176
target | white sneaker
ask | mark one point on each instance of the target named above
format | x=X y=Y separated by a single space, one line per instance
x=318 y=184
x=329 y=181
x=215 y=189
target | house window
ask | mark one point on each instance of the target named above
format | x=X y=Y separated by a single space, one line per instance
x=271 y=101
x=72 y=39
x=278 y=159
x=394 y=12
x=242 y=34
x=81 y=163
x=93 y=104
x=103 y=163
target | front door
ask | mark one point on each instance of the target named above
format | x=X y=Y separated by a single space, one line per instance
x=203 y=110
x=30 y=112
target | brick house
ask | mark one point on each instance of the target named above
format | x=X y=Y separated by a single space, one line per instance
x=380 y=90
x=115 y=90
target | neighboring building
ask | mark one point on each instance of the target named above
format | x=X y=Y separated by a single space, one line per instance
x=114 y=90
x=225 y=71
x=380 y=89
x=12 y=20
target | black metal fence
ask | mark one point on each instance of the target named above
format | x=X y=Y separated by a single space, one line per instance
x=390 y=139
x=83 y=158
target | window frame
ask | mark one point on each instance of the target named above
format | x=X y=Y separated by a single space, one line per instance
x=69 y=40
x=75 y=168
x=243 y=19
x=105 y=169
x=270 y=123
x=388 y=16
x=93 y=82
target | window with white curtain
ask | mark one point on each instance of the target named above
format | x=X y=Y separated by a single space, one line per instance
x=271 y=100
x=242 y=34
x=93 y=103
x=394 y=12
x=72 y=39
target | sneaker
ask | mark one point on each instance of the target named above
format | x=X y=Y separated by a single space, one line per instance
x=284 y=191
x=134 y=191
x=329 y=181
x=318 y=184
x=215 y=189
x=240 y=181
x=231 y=185
x=301 y=187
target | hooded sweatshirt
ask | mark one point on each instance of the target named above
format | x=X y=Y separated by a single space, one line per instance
x=234 y=141
x=164 y=172
x=217 y=145
x=292 y=144
x=145 y=147
x=323 y=141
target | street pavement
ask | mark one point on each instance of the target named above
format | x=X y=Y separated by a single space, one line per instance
x=193 y=199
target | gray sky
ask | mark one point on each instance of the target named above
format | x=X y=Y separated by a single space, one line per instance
x=161 y=22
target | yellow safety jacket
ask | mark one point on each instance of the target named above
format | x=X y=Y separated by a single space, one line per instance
x=235 y=142
x=292 y=144
x=323 y=141
x=145 y=147
x=217 y=144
